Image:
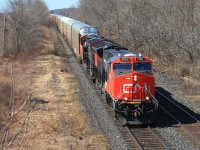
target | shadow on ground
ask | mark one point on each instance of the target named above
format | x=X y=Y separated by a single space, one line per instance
x=163 y=119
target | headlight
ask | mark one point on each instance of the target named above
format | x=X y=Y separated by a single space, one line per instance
x=147 y=98
x=135 y=78
x=126 y=98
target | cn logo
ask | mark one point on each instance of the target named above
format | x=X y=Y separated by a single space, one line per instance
x=128 y=88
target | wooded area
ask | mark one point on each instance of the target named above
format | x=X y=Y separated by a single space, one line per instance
x=22 y=25
x=22 y=21
x=165 y=30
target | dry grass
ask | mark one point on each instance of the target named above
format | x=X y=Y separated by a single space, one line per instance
x=59 y=123
x=188 y=76
x=195 y=98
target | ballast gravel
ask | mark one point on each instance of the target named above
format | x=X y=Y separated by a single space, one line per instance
x=176 y=139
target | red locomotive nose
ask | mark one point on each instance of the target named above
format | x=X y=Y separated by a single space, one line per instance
x=132 y=87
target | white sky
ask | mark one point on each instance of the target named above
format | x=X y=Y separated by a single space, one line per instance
x=52 y=4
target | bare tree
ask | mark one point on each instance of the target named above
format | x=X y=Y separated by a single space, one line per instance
x=25 y=18
x=167 y=29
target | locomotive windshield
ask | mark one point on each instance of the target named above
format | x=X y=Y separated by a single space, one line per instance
x=120 y=66
x=88 y=30
x=143 y=67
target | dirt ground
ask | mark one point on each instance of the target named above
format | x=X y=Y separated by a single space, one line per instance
x=52 y=117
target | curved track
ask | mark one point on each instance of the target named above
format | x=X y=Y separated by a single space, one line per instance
x=180 y=117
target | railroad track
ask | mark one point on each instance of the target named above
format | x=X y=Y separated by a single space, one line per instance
x=128 y=136
x=143 y=138
x=186 y=121
x=148 y=139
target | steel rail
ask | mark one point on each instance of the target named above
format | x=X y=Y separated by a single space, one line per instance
x=134 y=139
x=164 y=145
x=177 y=105
x=147 y=138
x=180 y=124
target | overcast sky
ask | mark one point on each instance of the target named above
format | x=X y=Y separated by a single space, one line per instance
x=52 y=4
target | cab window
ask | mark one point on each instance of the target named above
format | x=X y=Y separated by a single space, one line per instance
x=120 y=66
x=140 y=66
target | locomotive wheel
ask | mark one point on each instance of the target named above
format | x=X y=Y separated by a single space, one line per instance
x=87 y=69
x=107 y=98
x=102 y=89
x=93 y=79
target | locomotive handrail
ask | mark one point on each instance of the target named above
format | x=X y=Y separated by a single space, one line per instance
x=120 y=94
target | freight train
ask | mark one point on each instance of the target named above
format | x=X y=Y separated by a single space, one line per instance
x=125 y=78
